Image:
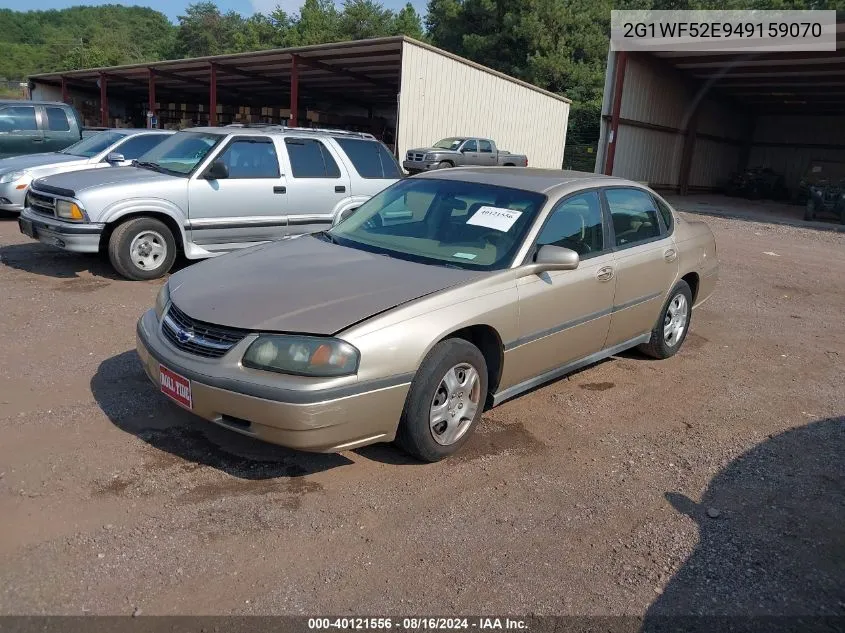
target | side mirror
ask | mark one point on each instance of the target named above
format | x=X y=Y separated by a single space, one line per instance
x=115 y=157
x=551 y=257
x=216 y=171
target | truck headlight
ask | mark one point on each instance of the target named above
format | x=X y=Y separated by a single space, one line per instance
x=69 y=210
x=428 y=157
x=315 y=356
x=12 y=176
x=162 y=300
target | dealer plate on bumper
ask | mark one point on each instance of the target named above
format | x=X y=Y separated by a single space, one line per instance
x=175 y=387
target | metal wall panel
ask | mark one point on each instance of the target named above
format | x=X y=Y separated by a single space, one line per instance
x=656 y=95
x=648 y=155
x=442 y=96
x=713 y=163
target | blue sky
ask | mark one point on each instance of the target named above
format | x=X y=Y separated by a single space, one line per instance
x=172 y=8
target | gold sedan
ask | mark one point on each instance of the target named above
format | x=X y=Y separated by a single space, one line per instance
x=444 y=294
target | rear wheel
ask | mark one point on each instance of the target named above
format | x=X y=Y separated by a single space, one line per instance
x=445 y=402
x=142 y=248
x=672 y=325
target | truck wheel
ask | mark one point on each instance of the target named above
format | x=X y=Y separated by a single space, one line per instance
x=443 y=164
x=142 y=248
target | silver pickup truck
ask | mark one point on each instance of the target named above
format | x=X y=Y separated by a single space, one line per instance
x=459 y=151
x=207 y=191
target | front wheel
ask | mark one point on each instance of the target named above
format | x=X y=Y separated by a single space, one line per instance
x=443 y=164
x=672 y=325
x=142 y=248
x=445 y=401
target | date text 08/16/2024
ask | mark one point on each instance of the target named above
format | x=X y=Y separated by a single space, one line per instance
x=417 y=623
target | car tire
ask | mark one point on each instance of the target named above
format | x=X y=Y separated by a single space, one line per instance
x=677 y=313
x=810 y=211
x=427 y=429
x=443 y=164
x=142 y=248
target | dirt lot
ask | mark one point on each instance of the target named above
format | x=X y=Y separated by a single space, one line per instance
x=713 y=482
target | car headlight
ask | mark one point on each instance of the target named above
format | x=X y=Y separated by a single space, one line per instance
x=12 y=176
x=428 y=157
x=69 y=210
x=162 y=300
x=302 y=355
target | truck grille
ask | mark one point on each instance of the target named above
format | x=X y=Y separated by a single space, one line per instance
x=198 y=337
x=412 y=156
x=43 y=204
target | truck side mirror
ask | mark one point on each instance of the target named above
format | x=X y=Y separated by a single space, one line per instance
x=115 y=157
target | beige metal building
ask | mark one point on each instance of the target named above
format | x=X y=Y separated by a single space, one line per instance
x=407 y=93
x=685 y=122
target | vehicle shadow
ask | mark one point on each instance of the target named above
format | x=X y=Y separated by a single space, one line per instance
x=771 y=540
x=40 y=259
x=133 y=404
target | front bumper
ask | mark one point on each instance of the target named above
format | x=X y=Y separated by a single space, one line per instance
x=70 y=236
x=416 y=166
x=328 y=421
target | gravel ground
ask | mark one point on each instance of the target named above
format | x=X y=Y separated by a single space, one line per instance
x=712 y=482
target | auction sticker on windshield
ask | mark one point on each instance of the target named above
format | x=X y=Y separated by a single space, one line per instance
x=176 y=387
x=495 y=218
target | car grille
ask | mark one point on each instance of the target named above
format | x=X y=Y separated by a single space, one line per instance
x=412 y=156
x=198 y=337
x=40 y=203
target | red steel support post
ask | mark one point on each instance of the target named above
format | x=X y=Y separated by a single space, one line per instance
x=619 y=82
x=104 y=101
x=294 y=90
x=151 y=105
x=212 y=106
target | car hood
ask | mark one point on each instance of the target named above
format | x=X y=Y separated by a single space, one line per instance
x=15 y=163
x=304 y=285
x=433 y=150
x=74 y=182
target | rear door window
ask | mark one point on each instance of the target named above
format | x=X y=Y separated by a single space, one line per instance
x=57 y=120
x=634 y=216
x=485 y=147
x=370 y=158
x=17 y=119
x=309 y=158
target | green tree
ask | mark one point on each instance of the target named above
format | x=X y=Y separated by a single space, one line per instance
x=408 y=22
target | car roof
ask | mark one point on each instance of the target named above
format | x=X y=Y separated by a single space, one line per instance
x=546 y=181
x=132 y=131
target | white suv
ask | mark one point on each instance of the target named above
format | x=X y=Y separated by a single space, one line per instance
x=207 y=191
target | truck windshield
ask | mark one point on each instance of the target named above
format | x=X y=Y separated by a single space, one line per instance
x=452 y=223
x=93 y=145
x=181 y=153
x=449 y=143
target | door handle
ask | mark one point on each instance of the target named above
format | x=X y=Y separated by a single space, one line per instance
x=605 y=273
x=340 y=189
x=38 y=140
x=280 y=189
x=670 y=254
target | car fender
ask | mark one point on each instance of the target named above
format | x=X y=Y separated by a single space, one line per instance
x=132 y=206
x=352 y=202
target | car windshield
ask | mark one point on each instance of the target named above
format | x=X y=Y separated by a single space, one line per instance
x=181 y=153
x=449 y=143
x=469 y=225
x=93 y=145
